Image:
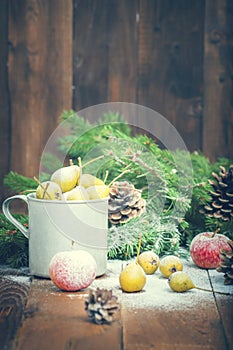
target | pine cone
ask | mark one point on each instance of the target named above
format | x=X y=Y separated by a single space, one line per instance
x=221 y=205
x=125 y=202
x=226 y=264
x=101 y=305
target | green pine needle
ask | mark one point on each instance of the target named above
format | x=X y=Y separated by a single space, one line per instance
x=19 y=183
x=165 y=231
x=13 y=244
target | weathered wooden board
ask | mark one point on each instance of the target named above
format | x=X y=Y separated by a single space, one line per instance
x=218 y=87
x=174 y=56
x=5 y=121
x=123 y=20
x=90 y=50
x=194 y=329
x=155 y=318
x=40 y=76
x=170 y=61
x=224 y=304
x=13 y=296
x=57 y=320
x=163 y=319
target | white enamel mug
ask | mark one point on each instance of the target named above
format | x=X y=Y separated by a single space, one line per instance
x=56 y=226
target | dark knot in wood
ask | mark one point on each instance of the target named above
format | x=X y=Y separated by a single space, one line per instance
x=196 y=107
x=215 y=36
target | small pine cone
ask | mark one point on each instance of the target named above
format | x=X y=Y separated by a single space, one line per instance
x=226 y=264
x=125 y=202
x=221 y=205
x=101 y=305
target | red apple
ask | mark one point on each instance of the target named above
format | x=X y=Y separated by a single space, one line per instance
x=205 y=247
x=72 y=270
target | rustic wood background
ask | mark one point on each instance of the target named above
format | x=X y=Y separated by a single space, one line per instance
x=174 y=56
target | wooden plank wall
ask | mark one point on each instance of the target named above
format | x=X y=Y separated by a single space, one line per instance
x=5 y=120
x=218 y=79
x=174 y=56
x=40 y=76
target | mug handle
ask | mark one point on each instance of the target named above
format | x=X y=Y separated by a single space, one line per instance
x=7 y=213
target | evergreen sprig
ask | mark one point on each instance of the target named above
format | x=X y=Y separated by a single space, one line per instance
x=19 y=183
x=13 y=244
x=159 y=235
x=174 y=193
x=84 y=136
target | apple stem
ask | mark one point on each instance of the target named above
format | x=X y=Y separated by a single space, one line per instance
x=106 y=176
x=80 y=166
x=45 y=191
x=212 y=291
x=120 y=175
x=43 y=188
x=26 y=191
x=92 y=160
x=139 y=246
x=80 y=162
x=215 y=232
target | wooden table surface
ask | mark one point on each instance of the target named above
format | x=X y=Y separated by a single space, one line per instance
x=35 y=314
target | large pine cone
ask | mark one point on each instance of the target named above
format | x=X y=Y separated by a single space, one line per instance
x=125 y=202
x=226 y=264
x=221 y=205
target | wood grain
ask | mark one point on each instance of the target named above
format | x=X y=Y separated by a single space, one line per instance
x=60 y=321
x=90 y=65
x=224 y=304
x=40 y=76
x=5 y=121
x=170 y=64
x=218 y=84
x=122 y=54
x=174 y=56
x=13 y=298
x=156 y=318
x=158 y=329
x=187 y=320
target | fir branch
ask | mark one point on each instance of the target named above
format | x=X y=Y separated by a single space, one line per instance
x=157 y=234
x=19 y=183
x=13 y=244
x=152 y=169
x=135 y=157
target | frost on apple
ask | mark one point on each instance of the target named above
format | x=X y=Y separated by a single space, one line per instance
x=72 y=270
x=205 y=247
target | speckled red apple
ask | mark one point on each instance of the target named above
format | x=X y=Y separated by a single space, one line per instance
x=72 y=270
x=205 y=247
